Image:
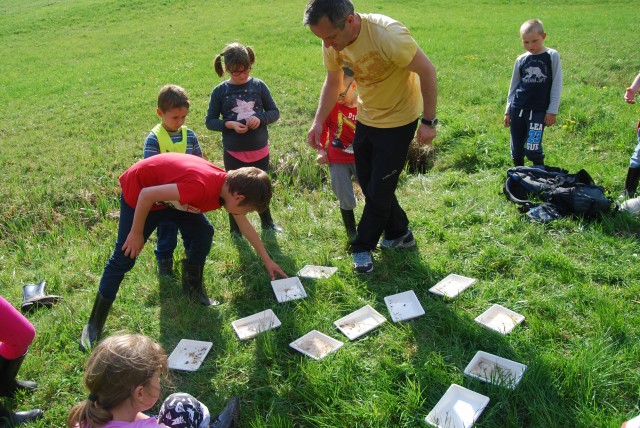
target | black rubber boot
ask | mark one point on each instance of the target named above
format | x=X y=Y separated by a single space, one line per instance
x=33 y=295
x=8 y=373
x=234 y=230
x=267 y=222
x=192 y=277
x=631 y=183
x=10 y=419
x=165 y=267
x=228 y=418
x=93 y=329
x=349 y=221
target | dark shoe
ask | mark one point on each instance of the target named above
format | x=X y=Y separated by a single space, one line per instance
x=10 y=419
x=228 y=418
x=349 y=221
x=362 y=262
x=518 y=162
x=192 y=277
x=165 y=267
x=405 y=241
x=33 y=296
x=631 y=184
x=8 y=373
x=93 y=329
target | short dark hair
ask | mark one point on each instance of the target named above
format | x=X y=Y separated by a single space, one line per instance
x=252 y=183
x=336 y=12
x=172 y=96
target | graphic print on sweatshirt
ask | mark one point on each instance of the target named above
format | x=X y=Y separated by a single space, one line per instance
x=244 y=109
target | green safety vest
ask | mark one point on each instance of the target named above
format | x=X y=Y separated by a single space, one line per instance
x=166 y=143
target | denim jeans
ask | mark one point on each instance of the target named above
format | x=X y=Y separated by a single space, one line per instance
x=380 y=155
x=194 y=228
x=168 y=240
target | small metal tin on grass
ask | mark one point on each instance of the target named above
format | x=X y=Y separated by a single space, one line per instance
x=251 y=326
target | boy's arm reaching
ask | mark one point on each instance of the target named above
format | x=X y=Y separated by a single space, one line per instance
x=148 y=196
x=252 y=236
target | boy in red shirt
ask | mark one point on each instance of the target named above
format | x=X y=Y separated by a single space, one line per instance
x=178 y=188
x=337 y=132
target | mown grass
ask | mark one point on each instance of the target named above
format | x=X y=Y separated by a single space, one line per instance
x=79 y=81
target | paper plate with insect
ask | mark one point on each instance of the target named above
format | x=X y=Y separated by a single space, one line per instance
x=404 y=306
x=316 y=345
x=288 y=289
x=500 y=319
x=189 y=355
x=251 y=326
x=359 y=322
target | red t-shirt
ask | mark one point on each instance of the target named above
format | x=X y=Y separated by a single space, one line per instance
x=341 y=123
x=199 y=181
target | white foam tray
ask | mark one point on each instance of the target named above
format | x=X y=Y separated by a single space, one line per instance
x=189 y=355
x=316 y=345
x=253 y=325
x=494 y=369
x=500 y=319
x=287 y=289
x=452 y=285
x=404 y=306
x=459 y=407
x=359 y=322
x=312 y=271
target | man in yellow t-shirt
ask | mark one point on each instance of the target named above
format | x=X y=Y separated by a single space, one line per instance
x=396 y=82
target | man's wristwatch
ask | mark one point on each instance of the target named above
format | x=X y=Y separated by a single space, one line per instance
x=433 y=122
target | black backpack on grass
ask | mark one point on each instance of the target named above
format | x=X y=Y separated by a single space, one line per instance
x=547 y=193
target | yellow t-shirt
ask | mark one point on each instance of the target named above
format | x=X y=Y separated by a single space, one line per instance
x=388 y=94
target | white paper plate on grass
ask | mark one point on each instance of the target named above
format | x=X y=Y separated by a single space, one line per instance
x=459 y=407
x=359 y=322
x=189 y=355
x=253 y=325
x=404 y=306
x=500 y=319
x=316 y=345
x=312 y=271
x=452 y=285
x=287 y=289
x=497 y=370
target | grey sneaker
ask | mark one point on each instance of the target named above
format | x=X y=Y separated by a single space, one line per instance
x=362 y=262
x=405 y=241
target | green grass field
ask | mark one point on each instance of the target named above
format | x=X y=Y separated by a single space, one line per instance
x=78 y=83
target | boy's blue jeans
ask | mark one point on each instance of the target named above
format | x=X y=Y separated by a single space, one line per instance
x=168 y=240
x=194 y=228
